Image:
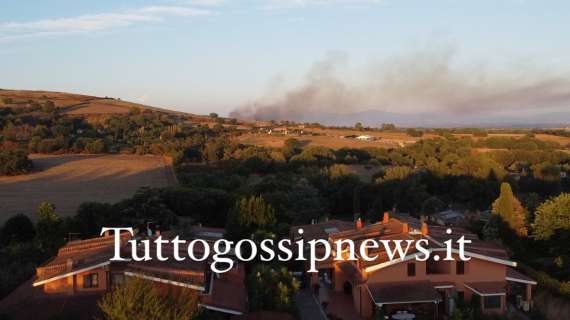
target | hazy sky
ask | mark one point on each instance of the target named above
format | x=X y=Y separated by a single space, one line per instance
x=214 y=55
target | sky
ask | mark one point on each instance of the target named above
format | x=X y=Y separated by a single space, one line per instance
x=255 y=56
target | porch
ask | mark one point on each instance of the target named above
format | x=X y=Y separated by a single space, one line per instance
x=519 y=290
x=406 y=300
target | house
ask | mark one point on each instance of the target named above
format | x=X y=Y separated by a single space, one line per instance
x=365 y=138
x=279 y=131
x=82 y=272
x=448 y=217
x=429 y=289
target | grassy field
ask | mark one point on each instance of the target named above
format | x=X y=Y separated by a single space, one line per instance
x=332 y=138
x=69 y=180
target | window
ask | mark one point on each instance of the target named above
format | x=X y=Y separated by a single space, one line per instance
x=492 y=302
x=437 y=267
x=411 y=269
x=91 y=280
x=460 y=267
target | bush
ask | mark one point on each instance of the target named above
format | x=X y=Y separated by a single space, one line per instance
x=414 y=132
x=14 y=162
x=96 y=146
x=49 y=145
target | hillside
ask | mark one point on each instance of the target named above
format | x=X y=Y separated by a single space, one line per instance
x=75 y=104
x=248 y=132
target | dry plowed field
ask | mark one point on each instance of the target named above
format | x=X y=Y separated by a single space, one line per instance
x=69 y=180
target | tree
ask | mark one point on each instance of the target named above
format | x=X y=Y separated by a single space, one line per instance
x=432 y=206
x=18 y=228
x=13 y=162
x=96 y=146
x=395 y=173
x=213 y=115
x=358 y=126
x=271 y=289
x=414 y=132
x=337 y=171
x=552 y=216
x=140 y=299
x=510 y=209
x=92 y=216
x=48 y=227
x=250 y=214
x=254 y=211
x=546 y=171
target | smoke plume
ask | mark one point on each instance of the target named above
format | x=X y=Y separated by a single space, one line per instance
x=429 y=81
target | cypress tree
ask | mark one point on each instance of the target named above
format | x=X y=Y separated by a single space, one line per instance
x=510 y=209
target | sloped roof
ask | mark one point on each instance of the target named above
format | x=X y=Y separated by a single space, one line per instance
x=184 y=273
x=489 y=288
x=227 y=293
x=438 y=234
x=516 y=276
x=403 y=292
x=77 y=256
x=321 y=230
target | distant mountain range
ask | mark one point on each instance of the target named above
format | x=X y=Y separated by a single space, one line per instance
x=436 y=119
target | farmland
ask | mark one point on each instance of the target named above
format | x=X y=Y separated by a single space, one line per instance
x=69 y=180
x=336 y=138
x=333 y=138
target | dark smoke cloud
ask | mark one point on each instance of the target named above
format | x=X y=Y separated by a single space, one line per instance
x=419 y=82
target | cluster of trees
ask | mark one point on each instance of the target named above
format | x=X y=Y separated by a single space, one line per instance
x=38 y=127
x=14 y=162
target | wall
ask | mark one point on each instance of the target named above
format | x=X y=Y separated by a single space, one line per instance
x=74 y=284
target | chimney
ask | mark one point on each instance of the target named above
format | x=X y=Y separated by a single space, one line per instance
x=425 y=230
x=358 y=224
x=405 y=228
x=386 y=217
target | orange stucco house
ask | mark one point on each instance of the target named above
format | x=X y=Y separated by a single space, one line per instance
x=427 y=290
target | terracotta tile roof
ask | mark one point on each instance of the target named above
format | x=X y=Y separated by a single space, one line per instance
x=515 y=275
x=28 y=302
x=227 y=292
x=376 y=230
x=403 y=292
x=321 y=230
x=77 y=255
x=185 y=272
x=487 y=288
x=438 y=233
x=207 y=233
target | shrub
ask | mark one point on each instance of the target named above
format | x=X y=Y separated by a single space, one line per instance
x=14 y=162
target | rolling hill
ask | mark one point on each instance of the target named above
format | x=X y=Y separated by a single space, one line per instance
x=76 y=104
